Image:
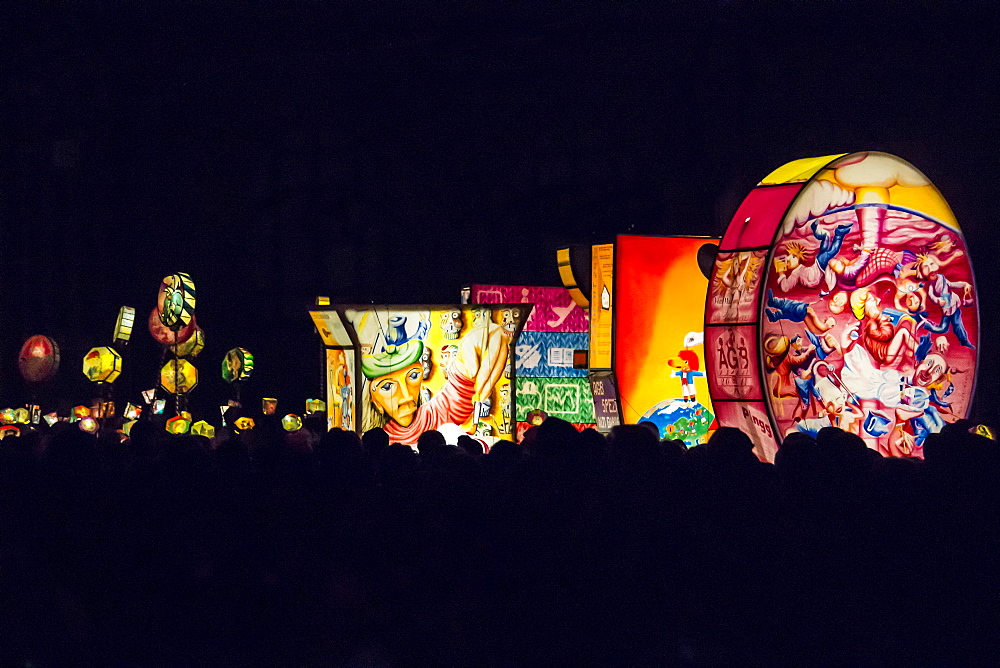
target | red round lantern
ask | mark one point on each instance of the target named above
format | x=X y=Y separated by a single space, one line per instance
x=166 y=336
x=38 y=360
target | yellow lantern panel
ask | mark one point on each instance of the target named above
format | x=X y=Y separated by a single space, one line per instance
x=102 y=364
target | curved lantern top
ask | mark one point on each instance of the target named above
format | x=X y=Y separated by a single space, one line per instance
x=842 y=295
x=38 y=360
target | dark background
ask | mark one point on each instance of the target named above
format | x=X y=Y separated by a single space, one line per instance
x=389 y=152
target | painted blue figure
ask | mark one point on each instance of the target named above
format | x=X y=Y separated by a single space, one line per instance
x=939 y=291
x=829 y=247
x=781 y=308
x=687 y=371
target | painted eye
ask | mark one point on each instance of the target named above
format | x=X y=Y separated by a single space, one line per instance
x=414 y=375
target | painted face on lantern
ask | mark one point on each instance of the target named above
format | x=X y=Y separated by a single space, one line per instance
x=397 y=394
x=510 y=318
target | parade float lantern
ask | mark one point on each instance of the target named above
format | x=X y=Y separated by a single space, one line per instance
x=396 y=367
x=89 y=425
x=842 y=295
x=176 y=301
x=237 y=365
x=194 y=344
x=124 y=325
x=102 y=364
x=202 y=428
x=38 y=360
x=179 y=424
x=178 y=376
x=291 y=422
x=646 y=357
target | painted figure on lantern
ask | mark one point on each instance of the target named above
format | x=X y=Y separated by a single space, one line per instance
x=869 y=321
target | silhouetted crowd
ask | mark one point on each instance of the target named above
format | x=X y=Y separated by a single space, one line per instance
x=274 y=548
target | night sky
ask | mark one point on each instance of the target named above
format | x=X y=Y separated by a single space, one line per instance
x=389 y=152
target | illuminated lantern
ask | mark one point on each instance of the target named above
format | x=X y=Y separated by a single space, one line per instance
x=842 y=295
x=8 y=416
x=89 y=425
x=158 y=406
x=80 y=412
x=9 y=430
x=124 y=324
x=22 y=415
x=102 y=364
x=268 y=406
x=132 y=412
x=51 y=418
x=202 y=428
x=237 y=365
x=166 y=336
x=190 y=348
x=127 y=427
x=983 y=430
x=179 y=424
x=315 y=406
x=178 y=376
x=244 y=423
x=291 y=422
x=38 y=360
x=149 y=395
x=176 y=300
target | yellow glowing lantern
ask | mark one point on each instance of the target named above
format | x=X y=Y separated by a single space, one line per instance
x=176 y=301
x=102 y=364
x=124 y=325
x=244 y=423
x=7 y=416
x=22 y=416
x=89 y=425
x=179 y=424
x=291 y=422
x=79 y=412
x=202 y=428
x=192 y=346
x=315 y=406
x=178 y=376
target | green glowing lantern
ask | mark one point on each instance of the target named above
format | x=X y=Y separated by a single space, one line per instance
x=175 y=301
x=202 y=428
x=178 y=376
x=102 y=364
x=237 y=365
x=22 y=415
x=291 y=422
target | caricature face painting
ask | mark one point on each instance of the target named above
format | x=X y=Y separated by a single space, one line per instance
x=421 y=369
x=868 y=316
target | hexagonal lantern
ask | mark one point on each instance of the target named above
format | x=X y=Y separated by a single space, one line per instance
x=291 y=422
x=178 y=376
x=102 y=364
x=190 y=348
x=202 y=428
x=179 y=424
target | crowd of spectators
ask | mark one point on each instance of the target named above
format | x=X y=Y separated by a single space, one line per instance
x=274 y=548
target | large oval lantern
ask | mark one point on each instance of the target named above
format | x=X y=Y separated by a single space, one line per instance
x=166 y=336
x=102 y=364
x=176 y=301
x=38 y=360
x=842 y=295
x=237 y=365
x=178 y=376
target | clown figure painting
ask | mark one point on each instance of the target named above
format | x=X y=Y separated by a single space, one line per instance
x=425 y=367
x=869 y=315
